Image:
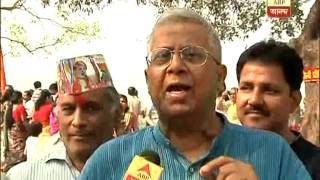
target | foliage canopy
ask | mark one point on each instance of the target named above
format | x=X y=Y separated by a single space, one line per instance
x=232 y=18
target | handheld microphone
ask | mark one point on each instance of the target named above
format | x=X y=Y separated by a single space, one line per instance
x=145 y=166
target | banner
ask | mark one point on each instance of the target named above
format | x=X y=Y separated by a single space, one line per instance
x=311 y=74
x=3 y=76
x=279 y=8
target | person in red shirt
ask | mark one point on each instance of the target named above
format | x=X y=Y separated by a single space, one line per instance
x=17 y=133
x=42 y=110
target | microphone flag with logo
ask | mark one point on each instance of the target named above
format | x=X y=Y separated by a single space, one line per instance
x=144 y=167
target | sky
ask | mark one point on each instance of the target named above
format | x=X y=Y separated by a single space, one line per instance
x=124 y=30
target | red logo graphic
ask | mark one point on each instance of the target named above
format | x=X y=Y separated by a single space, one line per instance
x=145 y=169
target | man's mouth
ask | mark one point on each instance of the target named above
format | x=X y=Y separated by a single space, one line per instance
x=82 y=135
x=256 y=113
x=178 y=88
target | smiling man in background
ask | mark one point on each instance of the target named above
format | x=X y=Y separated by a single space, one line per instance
x=86 y=120
x=270 y=74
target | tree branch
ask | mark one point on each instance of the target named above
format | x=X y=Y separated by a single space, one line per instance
x=16 y=5
x=70 y=29
x=19 y=42
x=19 y=4
x=34 y=49
x=27 y=46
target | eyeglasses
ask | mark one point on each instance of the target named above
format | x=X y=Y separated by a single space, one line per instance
x=191 y=55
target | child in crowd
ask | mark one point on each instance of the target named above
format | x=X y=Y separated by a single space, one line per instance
x=35 y=129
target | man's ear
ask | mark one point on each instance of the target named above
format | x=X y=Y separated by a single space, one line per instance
x=117 y=114
x=295 y=100
x=146 y=75
x=147 y=79
x=222 y=73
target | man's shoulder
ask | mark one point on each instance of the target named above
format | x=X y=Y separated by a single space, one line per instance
x=303 y=144
x=258 y=144
x=121 y=150
x=27 y=170
x=37 y=92
x=18 y=168
x=41 y=169
x=254 y=136
x=50 y=165
x=29 y=103
x=306 y=151
x=130 y=140
x=124 y=146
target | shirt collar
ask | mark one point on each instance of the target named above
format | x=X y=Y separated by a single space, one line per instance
x=160 y=137
x=57 y=152
x=164 y=141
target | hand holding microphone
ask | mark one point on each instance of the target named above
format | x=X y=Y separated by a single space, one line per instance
x=145 y=166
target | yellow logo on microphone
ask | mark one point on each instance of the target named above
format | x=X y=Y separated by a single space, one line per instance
x=141 y=169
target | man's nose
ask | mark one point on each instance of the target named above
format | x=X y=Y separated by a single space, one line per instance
x=176 y=65
x=79 y=119
x=255 y=98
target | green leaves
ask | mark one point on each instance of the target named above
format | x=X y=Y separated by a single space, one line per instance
x=231 y=18
x=237 y=18
x=19 y=41
x=87 y=6
x=80 y=31
x=18 y=33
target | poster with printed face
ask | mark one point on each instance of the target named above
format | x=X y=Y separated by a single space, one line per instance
x=83 y=73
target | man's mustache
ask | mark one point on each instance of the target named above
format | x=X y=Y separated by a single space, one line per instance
x=257 y=109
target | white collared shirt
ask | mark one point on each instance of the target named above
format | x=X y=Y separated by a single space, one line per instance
x=55 y=165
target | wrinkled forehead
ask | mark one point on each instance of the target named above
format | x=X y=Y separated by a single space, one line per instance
x=185 y=24
x=80 y=99
x=211 y=37
x=180 y=35
x=71 y=99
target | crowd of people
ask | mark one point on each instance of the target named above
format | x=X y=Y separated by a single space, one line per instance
x=85 y=129
x=21 y=112
x=31 y=114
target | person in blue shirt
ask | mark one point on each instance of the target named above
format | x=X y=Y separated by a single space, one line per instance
x=184 y=74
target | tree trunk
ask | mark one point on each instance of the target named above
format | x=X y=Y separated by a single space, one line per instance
x=308 y=47
x=311 y=123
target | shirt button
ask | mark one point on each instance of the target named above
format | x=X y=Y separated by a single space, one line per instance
x=191 y=170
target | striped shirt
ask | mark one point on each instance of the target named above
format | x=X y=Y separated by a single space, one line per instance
x=271 y=157
x=53 y=166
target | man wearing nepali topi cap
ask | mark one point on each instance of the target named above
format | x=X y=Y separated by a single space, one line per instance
x=87 y=112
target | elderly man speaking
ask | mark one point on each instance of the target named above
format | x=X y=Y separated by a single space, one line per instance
x=184 y=74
